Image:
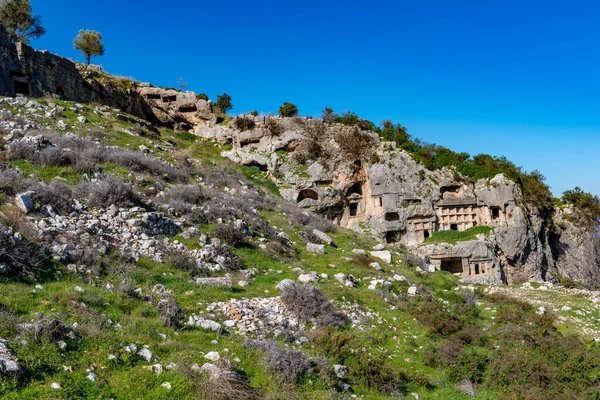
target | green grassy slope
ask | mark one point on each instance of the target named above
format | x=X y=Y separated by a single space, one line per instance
x=400 y=344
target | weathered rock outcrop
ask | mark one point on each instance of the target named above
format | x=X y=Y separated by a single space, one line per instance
x=395 y=199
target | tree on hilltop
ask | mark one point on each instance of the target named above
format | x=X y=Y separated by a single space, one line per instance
x=224 y=102
x=19 y=22
x=89 y=43
x=288 y=110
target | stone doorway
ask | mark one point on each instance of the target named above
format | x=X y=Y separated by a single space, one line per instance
x=21 y=87
x=452 y=265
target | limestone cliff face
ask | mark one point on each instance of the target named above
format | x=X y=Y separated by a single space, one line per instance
x=395 y=199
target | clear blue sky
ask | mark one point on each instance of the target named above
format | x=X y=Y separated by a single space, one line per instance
x=504 y=77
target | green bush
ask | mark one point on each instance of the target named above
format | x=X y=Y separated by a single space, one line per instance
x=586 y=205
x=244 y=124
x=371 y=370
x=288 y=110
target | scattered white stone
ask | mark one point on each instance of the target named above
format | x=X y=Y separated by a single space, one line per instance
x=213 y=356
x=55 y=385
x=412 y=291
x=229 y=323
x=306 y=278
x=92 y=377
x=207 y=324
x=24 y=202
x=315 y=248
x=325 y=238
x=166 y=385
x=340 y=370
x=375 y=266
x=284 y=283
x=383 y=255
x=146 y=354
x=157 y=368
x=541 y=310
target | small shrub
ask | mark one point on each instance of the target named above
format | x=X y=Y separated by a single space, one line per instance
x=450 y=350
x=328 y=115
x=372 y=370
x=273 y=125
x=18 y=258
x=182 y=262
x=183 y=199
x=470 y=364
x=230 y=234
x=107 y=193
x=308 y=303
x=226 y=386
x=289 y=365
x=9 y=322
x=311 y=147
x=587 y=206
x=55 y=157
x=10 y=182
x=355 y=145
x=202 y=96
x=364 y=260
x=244 y=124
x=230 y=262
x=170 y=313
x=55 y=194
x=433 y=315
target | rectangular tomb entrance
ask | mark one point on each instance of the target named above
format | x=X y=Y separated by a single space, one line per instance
x=452 y=265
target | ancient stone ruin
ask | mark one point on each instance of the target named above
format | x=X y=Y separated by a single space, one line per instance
x=29 y=72
x=395 y=199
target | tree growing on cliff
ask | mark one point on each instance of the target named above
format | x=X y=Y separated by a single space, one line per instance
x=224 y=102
x=288 y=110
x=586 y=205
x=89 y=43
x=18 y=20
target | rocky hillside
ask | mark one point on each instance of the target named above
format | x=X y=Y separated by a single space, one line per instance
x=154 y=247
x=492 y=229
x=137 y=262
